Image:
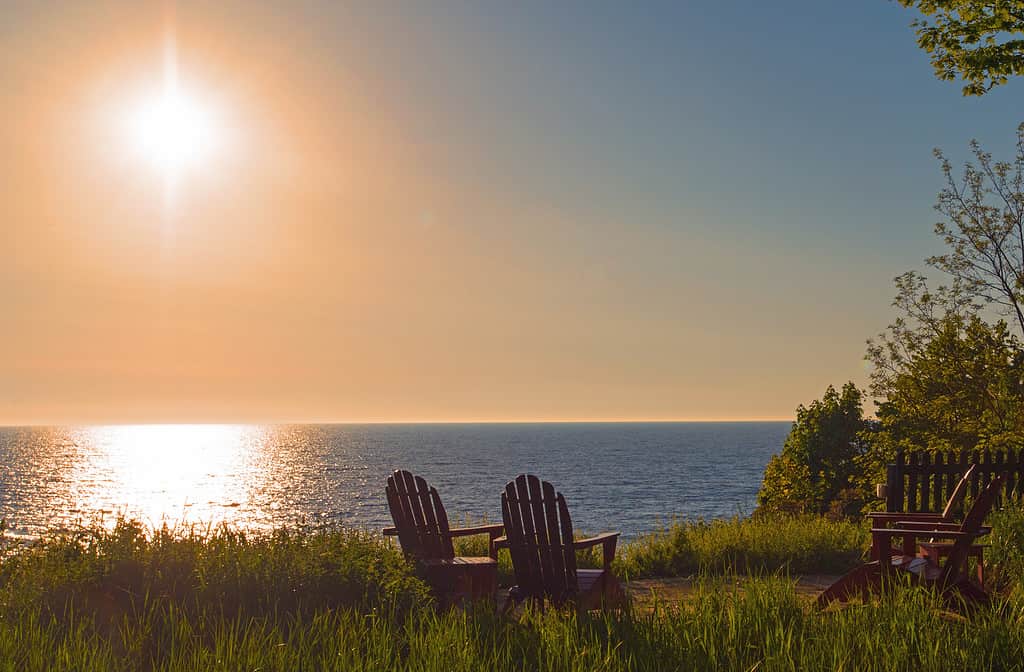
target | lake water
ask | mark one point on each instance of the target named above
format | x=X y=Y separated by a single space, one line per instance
x=615 y=476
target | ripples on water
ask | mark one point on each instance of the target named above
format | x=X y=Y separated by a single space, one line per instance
x=629 y=477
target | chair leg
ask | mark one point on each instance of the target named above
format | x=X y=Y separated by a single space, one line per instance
x=857 y=581
x=965 y=594
x=508 y=606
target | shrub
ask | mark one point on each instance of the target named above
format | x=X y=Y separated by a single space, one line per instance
x=817 y=461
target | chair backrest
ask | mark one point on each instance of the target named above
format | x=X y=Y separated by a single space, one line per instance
x=419 y=516
x=971 y=524
x=958 y=494
x=540 y=539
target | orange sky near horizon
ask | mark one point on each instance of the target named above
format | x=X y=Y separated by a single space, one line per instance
x=336 y=263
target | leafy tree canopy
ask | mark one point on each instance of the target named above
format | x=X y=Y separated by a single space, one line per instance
x=977 y=40
x=946 y=377
x=962 y=389
x=817 y=460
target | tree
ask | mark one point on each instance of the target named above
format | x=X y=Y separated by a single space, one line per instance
x=963 y=389
x=976 y=40
x=817 y=459
x=983 y=229
x=960 y=387
x=946 y=376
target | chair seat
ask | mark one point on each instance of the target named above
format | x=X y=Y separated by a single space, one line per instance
x=919 y=567
x=588 y=578
x=459 y=561
x=462 y=578
x=936 y=551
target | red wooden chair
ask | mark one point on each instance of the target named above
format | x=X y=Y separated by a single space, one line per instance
x=421 y=524
x=949 y=578
x=947 y=515
x=932 y=549
x=540 y=541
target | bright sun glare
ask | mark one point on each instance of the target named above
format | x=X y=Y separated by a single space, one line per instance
x=173 y=130
x=172 y=126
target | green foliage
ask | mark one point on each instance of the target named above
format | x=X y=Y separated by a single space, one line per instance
x=940 y=335
x=762 y=544
x=947 y=376
x=962 y=389
x=976 y=40
x=816 y=464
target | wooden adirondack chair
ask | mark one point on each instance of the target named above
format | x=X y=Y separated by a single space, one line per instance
x=932 y=549
x=421 y=524
x=950 y=577
x=947 y=515
x=540 y=541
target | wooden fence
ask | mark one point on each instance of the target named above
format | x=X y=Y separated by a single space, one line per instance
x=923 y=481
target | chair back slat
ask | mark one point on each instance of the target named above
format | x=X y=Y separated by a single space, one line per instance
x=561 y=566
x=419 y=517
x=540 y=537
x=513 y=522
x=971 y=524
x=958 y=494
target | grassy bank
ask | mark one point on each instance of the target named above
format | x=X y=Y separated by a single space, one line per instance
x=346 y=600
x=764 y=627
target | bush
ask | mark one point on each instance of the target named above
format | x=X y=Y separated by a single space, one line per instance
x=818 y=459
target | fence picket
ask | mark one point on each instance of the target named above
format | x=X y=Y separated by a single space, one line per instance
x=921 y=481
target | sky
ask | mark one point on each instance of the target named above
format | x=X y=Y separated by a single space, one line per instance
x=463 y=211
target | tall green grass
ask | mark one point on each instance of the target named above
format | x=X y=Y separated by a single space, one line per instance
x=762 y=544
x=114 y=573
x=797 y=544
x=309 y=599
x=763 y=626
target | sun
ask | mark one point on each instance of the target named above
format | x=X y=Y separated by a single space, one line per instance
x=173 y=129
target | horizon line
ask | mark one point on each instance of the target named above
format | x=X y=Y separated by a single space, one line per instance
x=517 y=421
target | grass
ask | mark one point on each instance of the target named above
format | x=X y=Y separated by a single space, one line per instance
x=115 y=573
x=312 y=599
x=763 y=544
x=795 y=544
x=765 y=626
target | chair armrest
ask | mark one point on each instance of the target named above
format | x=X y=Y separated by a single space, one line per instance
x=501 y=542
x=390 y=531
x=594 y=541
x=925 y=525
x=881 y=538
x=608 y=540
x=494 y=530
x=941 y=534
x=934 y=544
x=896 y=515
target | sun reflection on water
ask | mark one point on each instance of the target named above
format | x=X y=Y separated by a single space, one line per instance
x=168 y=473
